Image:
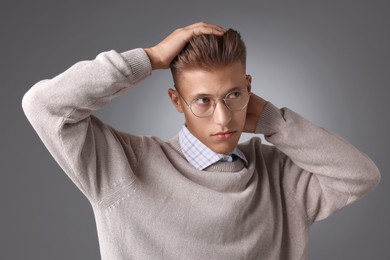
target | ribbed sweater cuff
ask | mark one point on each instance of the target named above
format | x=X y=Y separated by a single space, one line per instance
x=270 y=121
x=139 y=63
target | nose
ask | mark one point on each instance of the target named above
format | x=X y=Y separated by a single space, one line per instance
x=222 y=115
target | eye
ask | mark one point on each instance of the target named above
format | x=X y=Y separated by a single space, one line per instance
x=233 y=95
x=202 y=101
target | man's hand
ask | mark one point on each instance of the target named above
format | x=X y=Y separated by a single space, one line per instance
x=255 y=108
x=163 y=53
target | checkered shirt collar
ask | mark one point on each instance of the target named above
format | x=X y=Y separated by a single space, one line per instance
x=199 y=155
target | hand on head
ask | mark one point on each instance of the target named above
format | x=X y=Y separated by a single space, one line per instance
x=164 y=52
x=254 y=109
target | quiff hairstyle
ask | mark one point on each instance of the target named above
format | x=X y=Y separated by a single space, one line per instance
x=209 y=52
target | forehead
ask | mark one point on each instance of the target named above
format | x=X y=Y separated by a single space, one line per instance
x=212 y=82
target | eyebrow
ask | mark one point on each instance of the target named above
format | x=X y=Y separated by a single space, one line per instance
x=195 y=96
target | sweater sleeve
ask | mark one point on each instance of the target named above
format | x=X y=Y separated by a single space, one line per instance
x=93 y=155
x=321 y=171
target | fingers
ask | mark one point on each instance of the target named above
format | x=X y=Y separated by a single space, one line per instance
x=205 y=28
x=163 y=53
x=203 y=24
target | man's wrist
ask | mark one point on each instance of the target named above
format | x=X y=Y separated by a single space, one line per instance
x=153 y=58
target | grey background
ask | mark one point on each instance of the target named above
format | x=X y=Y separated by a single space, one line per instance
x=327 y=60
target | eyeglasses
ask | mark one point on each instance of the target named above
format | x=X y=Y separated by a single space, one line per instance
x=204 y=106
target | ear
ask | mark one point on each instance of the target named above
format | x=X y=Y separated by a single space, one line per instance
x=248 y=82
x=174 y=96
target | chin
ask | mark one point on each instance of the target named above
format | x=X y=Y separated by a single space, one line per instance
x=224 y=149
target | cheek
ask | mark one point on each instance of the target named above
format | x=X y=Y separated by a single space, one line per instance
x=189 y=117
x=196 y=125
x=239 y=118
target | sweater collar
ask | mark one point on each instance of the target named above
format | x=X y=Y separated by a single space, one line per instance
x=199 y=155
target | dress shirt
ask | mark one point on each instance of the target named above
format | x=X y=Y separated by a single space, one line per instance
x=199 y=155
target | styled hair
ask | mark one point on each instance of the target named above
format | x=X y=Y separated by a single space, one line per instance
x=208 y=52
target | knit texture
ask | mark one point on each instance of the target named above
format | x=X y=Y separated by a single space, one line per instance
x=150 y=203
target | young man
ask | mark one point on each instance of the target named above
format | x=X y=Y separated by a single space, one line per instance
x=199 y=195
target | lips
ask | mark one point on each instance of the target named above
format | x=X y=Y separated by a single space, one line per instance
x=223 y=135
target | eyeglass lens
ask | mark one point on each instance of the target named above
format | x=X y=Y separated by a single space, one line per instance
x=234 y=101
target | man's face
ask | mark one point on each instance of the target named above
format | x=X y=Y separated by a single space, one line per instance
x=221 y=130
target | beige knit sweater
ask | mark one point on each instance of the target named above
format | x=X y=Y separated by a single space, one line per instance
x=149 y=203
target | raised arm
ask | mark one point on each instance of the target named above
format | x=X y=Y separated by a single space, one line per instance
x=59 y=110
x=321 y=171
